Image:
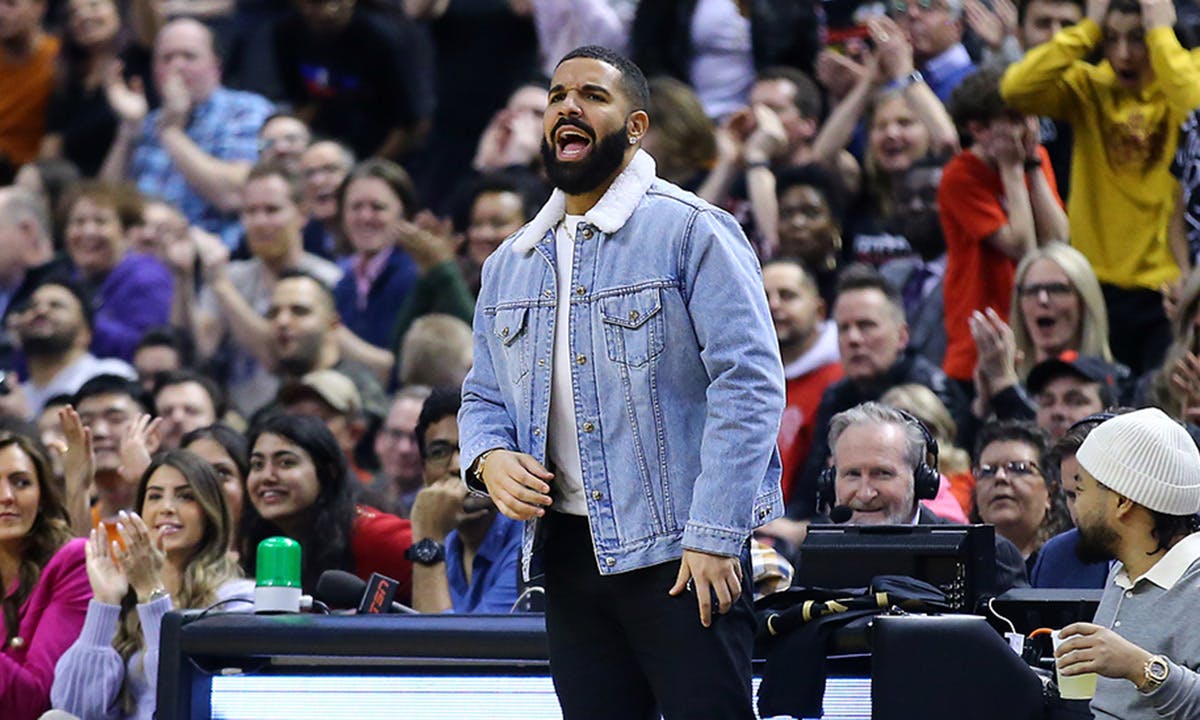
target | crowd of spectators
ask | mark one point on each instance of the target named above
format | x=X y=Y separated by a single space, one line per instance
x=240 y=245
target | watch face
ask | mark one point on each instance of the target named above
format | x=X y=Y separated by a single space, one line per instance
x=1157 y=670
x=427 y=551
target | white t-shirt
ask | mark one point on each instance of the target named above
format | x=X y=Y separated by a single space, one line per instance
x=562 y=446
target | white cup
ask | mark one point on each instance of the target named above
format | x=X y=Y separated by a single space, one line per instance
x=1072 y=687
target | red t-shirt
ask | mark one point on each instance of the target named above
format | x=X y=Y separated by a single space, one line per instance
x=378 y=541
x=800 y=420
x=978 y=276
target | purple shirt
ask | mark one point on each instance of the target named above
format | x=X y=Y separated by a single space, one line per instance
x=135 y=297
x=50 y=620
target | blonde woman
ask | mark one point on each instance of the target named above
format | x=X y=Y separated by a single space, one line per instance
x=175 y=556
x=1057 y=306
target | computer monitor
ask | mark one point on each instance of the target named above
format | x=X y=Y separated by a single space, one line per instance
x=958 y=559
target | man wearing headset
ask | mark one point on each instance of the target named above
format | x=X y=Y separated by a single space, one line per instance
x=884 y=463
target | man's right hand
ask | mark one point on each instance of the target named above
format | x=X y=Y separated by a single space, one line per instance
x=517 y=483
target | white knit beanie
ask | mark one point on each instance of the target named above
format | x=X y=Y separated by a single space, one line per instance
x=1147 y=457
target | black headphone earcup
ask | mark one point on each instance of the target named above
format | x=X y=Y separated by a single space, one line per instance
x=826 y=489
x=926 y=482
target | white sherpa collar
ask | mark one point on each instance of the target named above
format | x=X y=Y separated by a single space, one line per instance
x=608 y=215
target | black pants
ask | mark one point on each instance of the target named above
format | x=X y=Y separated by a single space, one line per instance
x=1138 y=330
x=622 y=649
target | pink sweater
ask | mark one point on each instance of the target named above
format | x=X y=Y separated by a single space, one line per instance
x=50 y=620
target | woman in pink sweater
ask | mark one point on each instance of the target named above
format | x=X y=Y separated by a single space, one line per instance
x=43 y=576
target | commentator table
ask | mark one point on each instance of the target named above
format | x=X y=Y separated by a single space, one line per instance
x=437 y=667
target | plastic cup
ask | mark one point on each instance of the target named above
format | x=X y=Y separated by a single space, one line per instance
x=1072 y=687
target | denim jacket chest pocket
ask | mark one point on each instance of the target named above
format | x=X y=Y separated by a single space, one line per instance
x=634 y=332
x=511 y=331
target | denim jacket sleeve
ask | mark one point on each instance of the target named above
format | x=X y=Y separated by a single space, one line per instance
x=484 y=420
x=745 y=397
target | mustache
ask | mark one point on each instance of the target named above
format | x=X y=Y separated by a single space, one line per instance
x=578 y=124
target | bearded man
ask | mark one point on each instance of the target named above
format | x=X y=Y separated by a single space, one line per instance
x=624 y=401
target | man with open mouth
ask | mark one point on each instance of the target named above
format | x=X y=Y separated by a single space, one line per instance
x=624 y=400
x=1126 y=120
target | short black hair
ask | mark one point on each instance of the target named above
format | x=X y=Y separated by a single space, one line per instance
x=633 y=81
x=113 y=385
x=808 y=94
x=326 y=292
x=502 y=182
x=444 y=401
x=179 y=377
x=170 y=337
x=977 y=99
x=819 y=179
x=66 y=283
x=1023 y=7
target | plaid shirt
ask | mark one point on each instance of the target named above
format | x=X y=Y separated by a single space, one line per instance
x=226 y=127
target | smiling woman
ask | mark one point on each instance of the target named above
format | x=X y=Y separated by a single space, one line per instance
x=174 y=557
x=299 y=486
x=130 y=291
x=42 y=573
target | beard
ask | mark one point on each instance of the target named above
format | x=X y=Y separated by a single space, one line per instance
x=35 y=346
x=1096 y=544
x=576 y=178
x=303 y=359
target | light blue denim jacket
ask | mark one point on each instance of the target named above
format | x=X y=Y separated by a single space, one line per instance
x=678 y=382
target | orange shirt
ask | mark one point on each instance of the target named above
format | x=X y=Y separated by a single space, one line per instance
x=978 y=276
x=24 y=95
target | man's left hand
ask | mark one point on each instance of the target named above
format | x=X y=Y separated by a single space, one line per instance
x=710 y=574
x=1096 y=649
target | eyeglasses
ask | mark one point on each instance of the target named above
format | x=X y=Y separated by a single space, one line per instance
x=1051 y=289
x=1013 y=468
x=440 y=451
x=900 y=7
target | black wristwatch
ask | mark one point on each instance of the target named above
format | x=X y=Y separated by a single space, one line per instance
x=427 y=552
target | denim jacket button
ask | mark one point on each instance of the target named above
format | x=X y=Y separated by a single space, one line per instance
x=587 y=233
x=581 y=290
x=597 y=495
x=504 y=332
x=548 y=293
x=541 y=362
x=537 y=431
x=581 y=359
x=588 y=427
x=610 y=561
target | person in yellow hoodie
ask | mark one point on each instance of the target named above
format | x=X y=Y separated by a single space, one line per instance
x=1125 y=112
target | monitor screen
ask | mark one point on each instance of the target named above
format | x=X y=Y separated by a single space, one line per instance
x=958 y=559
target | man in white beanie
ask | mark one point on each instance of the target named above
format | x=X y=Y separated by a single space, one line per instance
x=1137 y=498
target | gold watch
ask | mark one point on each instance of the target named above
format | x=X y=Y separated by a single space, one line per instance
x=479 y=466
x=1156 y=670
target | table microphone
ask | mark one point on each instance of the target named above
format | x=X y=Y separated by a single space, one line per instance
x=346 y=591
x=840 y=514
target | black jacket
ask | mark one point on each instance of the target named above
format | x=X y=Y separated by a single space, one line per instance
x=782 y=32
x=1010 y=566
